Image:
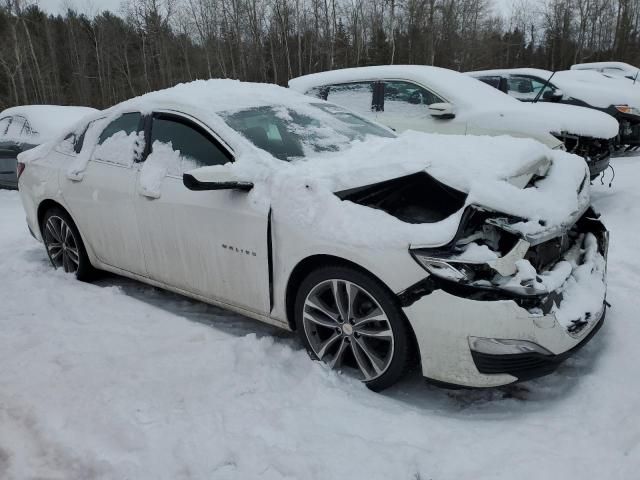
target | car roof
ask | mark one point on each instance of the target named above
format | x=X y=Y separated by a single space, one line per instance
x=453 y=86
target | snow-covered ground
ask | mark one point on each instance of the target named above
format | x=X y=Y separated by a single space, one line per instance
x=117 y=380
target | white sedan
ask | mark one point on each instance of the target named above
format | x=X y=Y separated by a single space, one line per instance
x=437 y=100
x=479 y=256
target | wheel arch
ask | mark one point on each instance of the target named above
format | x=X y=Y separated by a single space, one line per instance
x=49 y=203
x=308 y=264
x=45 y=205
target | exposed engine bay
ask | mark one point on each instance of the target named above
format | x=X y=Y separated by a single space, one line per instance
x=488 y=259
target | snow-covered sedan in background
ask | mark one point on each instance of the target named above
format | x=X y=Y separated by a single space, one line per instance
x=22 y=128
x=611 y=69
x=617 y=97
x=437 y=100
x=481 y=255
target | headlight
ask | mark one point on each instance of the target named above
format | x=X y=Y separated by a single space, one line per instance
x=628 y=109
x=457 y=271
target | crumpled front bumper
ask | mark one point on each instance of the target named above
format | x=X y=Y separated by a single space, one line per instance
x=446 y=322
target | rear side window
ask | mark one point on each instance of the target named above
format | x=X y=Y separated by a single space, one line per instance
x=194 y=146
x=121 y=142
x=354 y=96
x=127 y=123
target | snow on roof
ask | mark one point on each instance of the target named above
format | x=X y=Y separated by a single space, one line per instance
x=219 y=95
x=589 y=86
x=46 y=121
x=453 y=86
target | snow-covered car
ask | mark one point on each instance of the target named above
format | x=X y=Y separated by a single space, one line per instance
x=481 y=256
x=22 y=128
x=614 y=96
x=612 y=69
x=438 y=100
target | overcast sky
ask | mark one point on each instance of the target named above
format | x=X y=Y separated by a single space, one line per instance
x=92 y=7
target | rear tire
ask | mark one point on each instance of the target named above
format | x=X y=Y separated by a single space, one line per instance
x=64 y=245
x=345 y=317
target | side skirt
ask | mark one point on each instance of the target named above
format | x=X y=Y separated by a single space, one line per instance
x=217 y=303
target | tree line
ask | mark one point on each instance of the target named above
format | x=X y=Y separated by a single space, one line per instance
x=99 y=60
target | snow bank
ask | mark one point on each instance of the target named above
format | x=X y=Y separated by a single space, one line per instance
x=120 y=380
x=47 y=121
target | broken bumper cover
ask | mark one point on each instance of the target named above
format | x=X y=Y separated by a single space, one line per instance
x=476 y=338
x=528 y=365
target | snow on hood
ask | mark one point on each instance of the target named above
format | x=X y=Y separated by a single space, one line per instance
x=47 y=121
x=302 y=192
x=476 y=101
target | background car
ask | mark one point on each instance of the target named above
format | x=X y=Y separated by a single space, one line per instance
x=613 y=69
x=438 y=100
x=474 y=254
x=614 y=96
x=24 y=127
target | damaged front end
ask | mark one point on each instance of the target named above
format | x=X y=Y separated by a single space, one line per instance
x=595 y=151
x=488 y=262
x=497 y=305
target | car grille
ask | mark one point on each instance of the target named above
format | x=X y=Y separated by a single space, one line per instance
x=523 y=366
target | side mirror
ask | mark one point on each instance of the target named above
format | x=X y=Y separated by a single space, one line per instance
x=214 y=178
x=553 y=95
x=441 y=111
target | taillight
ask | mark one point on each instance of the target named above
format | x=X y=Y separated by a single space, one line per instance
x=20 y=169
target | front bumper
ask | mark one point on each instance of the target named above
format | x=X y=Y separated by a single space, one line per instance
x=557 y=324
x=525 y=366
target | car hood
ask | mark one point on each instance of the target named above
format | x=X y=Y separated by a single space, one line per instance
x=519 y=177
x=544 y=118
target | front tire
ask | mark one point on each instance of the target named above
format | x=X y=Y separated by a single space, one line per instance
x=347 y=318
x=64 y=244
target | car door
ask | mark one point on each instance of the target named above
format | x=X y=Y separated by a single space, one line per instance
x=101 y=198
x=210 y=243
x=406 y=107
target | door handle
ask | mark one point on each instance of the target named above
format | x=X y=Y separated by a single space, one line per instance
x=150 y=194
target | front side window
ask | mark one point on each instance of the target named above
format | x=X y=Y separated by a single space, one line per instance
x=290 y=134
x=527 y=88
x=406 y=98
x=121 y=141
x=191 y=146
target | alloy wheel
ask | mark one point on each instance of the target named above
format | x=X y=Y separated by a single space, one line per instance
x=61 y=244
x=345 y=325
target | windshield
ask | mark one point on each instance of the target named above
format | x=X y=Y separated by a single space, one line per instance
x=291 y=134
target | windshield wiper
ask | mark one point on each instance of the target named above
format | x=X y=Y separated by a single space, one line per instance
x=546 y=84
